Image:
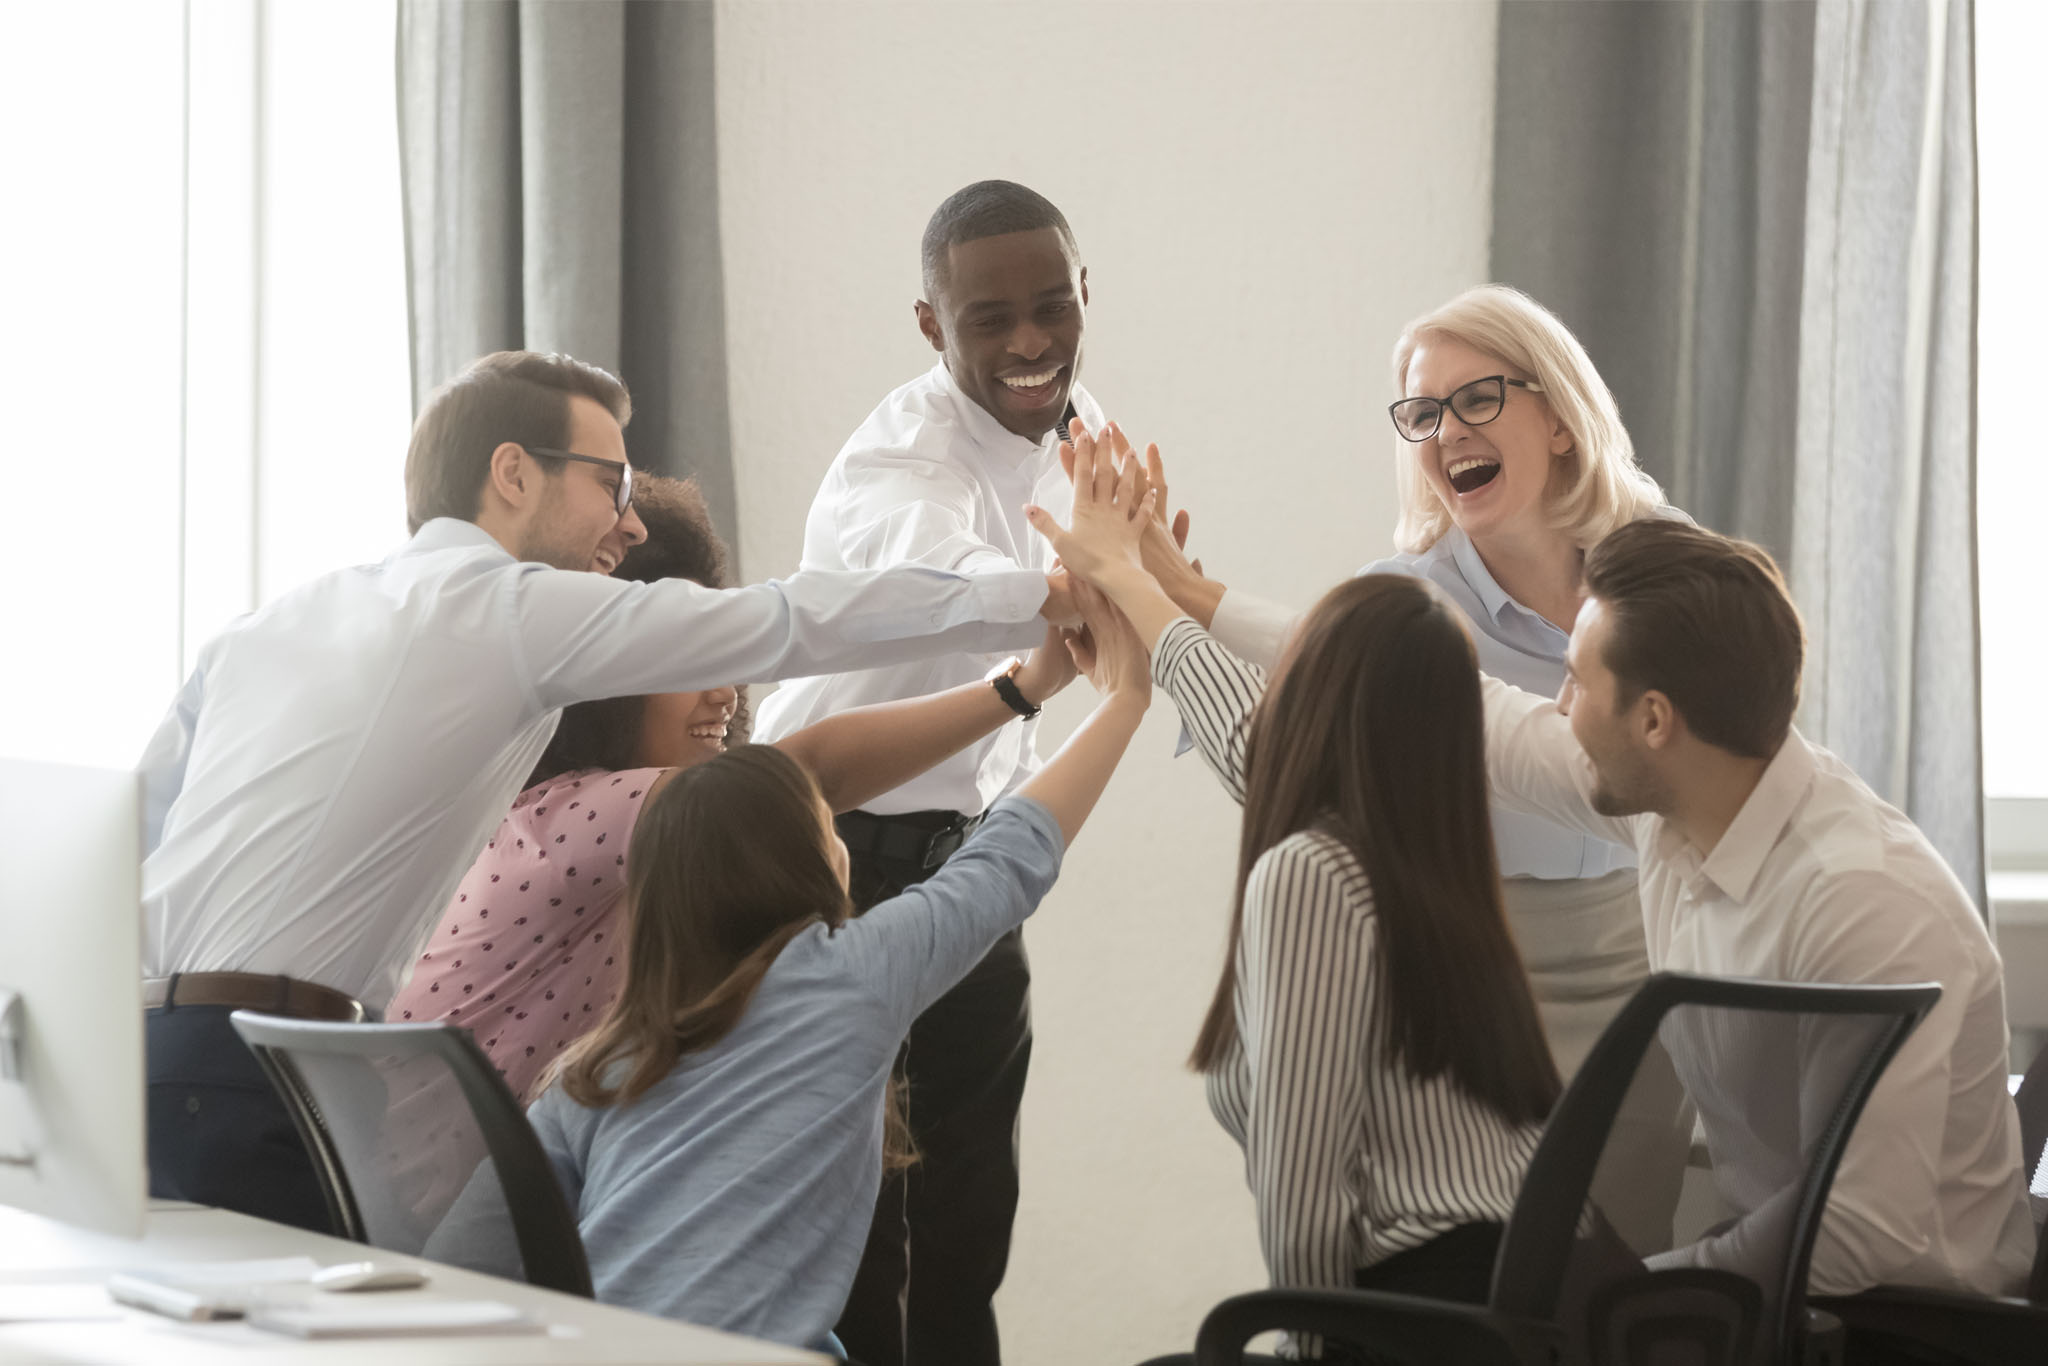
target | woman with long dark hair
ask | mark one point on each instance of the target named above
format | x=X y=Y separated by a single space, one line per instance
x=1372 y=1042
x=720 y=1133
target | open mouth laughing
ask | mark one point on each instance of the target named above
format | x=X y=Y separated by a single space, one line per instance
x=1471 y=473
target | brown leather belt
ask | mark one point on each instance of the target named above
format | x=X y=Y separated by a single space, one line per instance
x=268 y=992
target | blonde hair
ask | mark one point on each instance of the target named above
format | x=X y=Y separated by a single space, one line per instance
x=1603 y=486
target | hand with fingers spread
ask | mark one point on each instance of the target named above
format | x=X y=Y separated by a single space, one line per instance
x=1109 y=516
x=1111 y=519
x=1164 y=547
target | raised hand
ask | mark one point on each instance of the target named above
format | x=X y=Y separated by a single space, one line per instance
x=1110 y=515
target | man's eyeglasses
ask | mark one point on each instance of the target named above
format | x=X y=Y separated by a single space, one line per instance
x=1474 y=404
x=625 y=495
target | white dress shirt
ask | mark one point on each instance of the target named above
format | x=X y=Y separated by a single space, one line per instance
x=932 y=478
x=1817 y=880
x=339 y=756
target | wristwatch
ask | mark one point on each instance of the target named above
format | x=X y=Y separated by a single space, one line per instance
x=1003 y=678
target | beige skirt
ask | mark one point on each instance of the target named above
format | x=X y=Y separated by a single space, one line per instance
x=1582 y=943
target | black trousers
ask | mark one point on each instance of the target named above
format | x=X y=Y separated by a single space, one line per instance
x=218 y=1133
x=940 y=1240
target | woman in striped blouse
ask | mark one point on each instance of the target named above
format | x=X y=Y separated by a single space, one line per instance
x=1372 y=1043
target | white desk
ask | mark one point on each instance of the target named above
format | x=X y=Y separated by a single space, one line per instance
x=38 y=1251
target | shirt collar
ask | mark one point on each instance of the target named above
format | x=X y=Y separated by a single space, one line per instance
x=449 y=533
x=1760 y=823
x=991 y=436
x=1491 y=595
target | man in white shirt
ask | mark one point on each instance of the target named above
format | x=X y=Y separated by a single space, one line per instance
x=339 y=757
x=1763 y=855
x=938 y=476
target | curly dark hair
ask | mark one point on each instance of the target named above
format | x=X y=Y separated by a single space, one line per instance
x=681 y=544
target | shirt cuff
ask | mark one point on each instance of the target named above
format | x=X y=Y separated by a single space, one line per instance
x=1252 y=628
x=1009 y=595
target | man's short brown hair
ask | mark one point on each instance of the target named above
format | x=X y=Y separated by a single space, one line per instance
x=1706 y=620
x=518 y=396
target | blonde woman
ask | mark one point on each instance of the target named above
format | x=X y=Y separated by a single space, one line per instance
x=1511 y=460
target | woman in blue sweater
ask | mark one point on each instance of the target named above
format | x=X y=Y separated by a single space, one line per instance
x=721 y=1134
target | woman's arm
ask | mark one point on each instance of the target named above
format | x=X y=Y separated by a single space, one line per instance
x=1215 y=691
x=1110 y=652
x=861 y=753
x=921 y=942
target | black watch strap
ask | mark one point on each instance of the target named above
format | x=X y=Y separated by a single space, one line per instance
x=1007 y=689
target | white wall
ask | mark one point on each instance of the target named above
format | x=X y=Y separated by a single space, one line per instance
x=1263 y=193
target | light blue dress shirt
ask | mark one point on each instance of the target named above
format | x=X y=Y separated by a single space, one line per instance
x=1519 y=647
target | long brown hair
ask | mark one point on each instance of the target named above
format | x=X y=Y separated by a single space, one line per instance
x=1372 y=733
x=727 y=865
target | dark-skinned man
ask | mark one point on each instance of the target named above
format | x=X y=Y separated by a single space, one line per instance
x=939 y=475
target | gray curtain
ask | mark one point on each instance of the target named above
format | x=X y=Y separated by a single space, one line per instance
x=1761 y=219
x=561 y=194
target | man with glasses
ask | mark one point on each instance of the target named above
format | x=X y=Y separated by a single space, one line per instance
x=340 y=756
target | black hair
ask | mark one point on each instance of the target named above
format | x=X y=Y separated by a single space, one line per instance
x=987 y=208
x=681 y=543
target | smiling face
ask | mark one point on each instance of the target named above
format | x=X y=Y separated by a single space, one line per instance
x=1491 y=478
x=575 y=524
x=679 y=729
x=1008 y=319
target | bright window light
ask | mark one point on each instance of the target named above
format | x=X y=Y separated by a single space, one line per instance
x=2012 y=375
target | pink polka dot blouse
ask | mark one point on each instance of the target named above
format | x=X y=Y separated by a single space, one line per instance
x=531 y=950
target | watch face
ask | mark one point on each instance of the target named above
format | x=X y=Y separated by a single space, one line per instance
x=1005 y=669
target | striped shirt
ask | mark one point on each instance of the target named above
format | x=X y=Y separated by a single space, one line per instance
x=1350 y=1158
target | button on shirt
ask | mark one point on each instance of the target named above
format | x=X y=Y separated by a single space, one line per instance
x=1817 y=880
x=1514 y=644
x=339 y=756
x=931 y=478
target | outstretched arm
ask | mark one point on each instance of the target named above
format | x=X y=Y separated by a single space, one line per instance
x=858 y=754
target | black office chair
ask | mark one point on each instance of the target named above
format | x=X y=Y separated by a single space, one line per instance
x=1950 y=1327
x=408 y=1122
x=1563 y=1287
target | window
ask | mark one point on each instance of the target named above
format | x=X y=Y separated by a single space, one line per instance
x=2012 y=472
x=206 y=344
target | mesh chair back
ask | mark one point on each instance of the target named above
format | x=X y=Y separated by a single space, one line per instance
x=421 y=1146
x=1778 y=1072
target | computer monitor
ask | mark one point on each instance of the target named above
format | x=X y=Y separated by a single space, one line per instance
x=72 y=1144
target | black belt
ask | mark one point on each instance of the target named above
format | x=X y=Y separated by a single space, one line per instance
x=278 y=995
x=919 y=839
